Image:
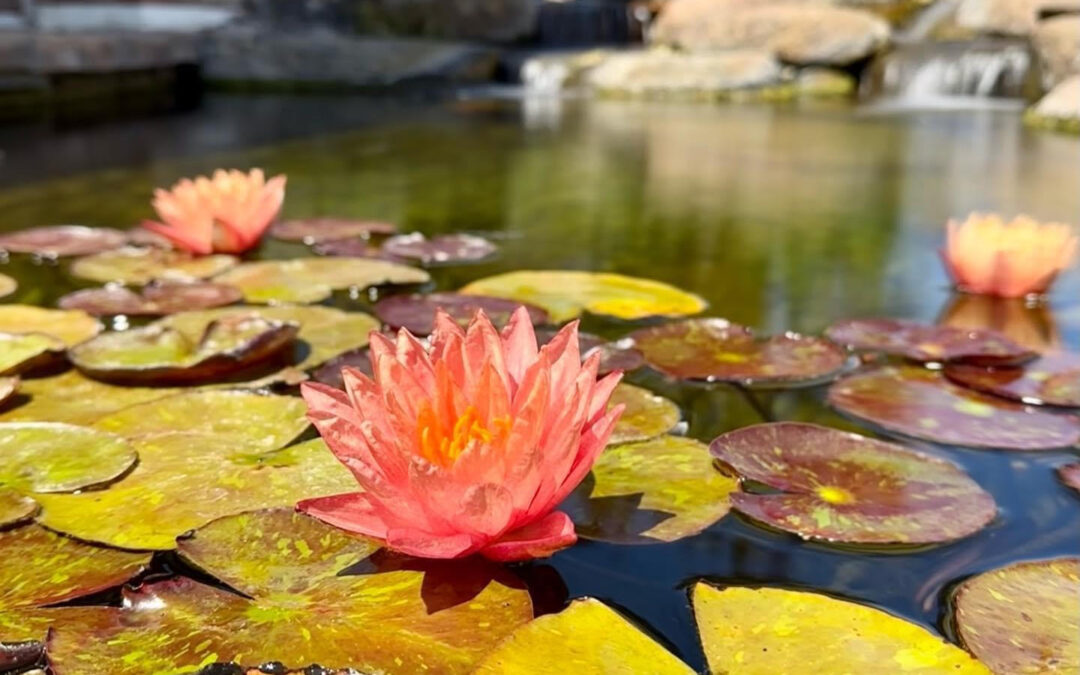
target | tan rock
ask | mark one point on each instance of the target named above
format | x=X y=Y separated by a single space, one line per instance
x=1057 y=41
x=1060 y=109
x=662 y=73
x=998 y=17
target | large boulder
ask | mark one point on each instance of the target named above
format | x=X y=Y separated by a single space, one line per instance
x=1060 y=109
x=1057 y=41
x=804 y=33
x=664 y=74
x=487 y=20
x=997 y=17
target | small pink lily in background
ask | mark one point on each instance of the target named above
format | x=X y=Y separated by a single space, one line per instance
x=227 y=213
x=466 y=447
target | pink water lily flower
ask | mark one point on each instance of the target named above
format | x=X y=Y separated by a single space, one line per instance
x=467 y=446
x=226 y=213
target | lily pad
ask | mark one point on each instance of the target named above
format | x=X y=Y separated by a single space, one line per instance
x=1070 y=475
x=139 y=266
x=716 y=350
x=354 y=248
x=156 y=299
x=163 y=355
x=837 y=486
x=57 y=241
x=1053 y=379
x=15 y=507
x=316 y=230
x=924 y=343
x=9 y=386
x=922 y=404
x=416 y=312
x=1024 y=618
x=441 y=249
x=308 y=280
x=567 y=294
x=587 y=638
x=652 y=492
x=646 y=415
x=765 y=631
x=330 y=372
x=620 y=355
x=184 y=480
x=49 y=457
x=395 y=621
x=24 y=352
x=69 y=326
x=7 y=285
x=76 y=399
x=239 y=416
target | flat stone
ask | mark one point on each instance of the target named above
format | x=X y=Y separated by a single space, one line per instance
x=997 y=17
x=662 y=73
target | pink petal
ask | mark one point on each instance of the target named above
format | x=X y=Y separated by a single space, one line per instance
x=426 y=545
x=519 y=345
x=187 y=240
x=539 y=539
x=350 y=511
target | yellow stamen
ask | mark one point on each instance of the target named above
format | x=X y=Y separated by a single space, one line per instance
x=439 y=447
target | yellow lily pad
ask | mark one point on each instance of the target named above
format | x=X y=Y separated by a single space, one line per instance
x=50 y=457
x=139 y=266
x=67 y=325
x=7 y=285
x=15 y=507
x=567 y=294
x=23 y=352
x=646 y=415
x=73 y=398
x=9 y=386
x=308 y=280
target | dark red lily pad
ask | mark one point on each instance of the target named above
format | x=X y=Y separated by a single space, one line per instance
x=619 y=355
x=330 y=372
x=1053 y=379
x=317 y=230
x=354 y=248
x=716 y=350
x=156 y=299
x=923 y=404
x=57 y=241
x=838 y=486
x=1070 y=475
x=416 y=312
x=924 y=343
x=441 y=249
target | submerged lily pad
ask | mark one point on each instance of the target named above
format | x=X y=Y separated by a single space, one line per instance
x=396 y=621
x=184 y=480
x=566 y=294
x=164 y=355
x=69 y=326
x=922 y=404
x=308 y=280
x=7 y=285
x=416 y=312
x=1070 y=475
x=156 y=299
x=651 y=492
x=76 y=399
x=716 y=350
x=646 y=415
x=316 y=230
x=15 y=507
x=57 y=241
x=765 y=631
x=586 y=638
x=20 y=353
x=921 y=342
x=837 y=486
x=440 y=249
x=139 y=266
x=50 y=457
x=1053 y=379
x=1024 y=618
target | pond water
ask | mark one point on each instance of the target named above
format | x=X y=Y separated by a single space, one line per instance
x=781 y=217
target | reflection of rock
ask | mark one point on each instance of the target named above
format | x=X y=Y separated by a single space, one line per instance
x=1027 y=324
x=1058 y=43
x=664 y=73
x=495 y=20
x=798 y=32
x=1060 y=109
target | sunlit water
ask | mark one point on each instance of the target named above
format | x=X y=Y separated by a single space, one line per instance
x=783 y=218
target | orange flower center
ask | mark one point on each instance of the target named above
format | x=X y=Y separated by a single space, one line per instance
x=441 y=443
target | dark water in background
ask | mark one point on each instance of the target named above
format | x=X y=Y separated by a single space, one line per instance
x=783 y=218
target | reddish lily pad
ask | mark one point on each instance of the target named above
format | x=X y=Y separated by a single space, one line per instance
x=396 y=621
x=15 y=508
x=416 y=312
x=1070 y=475
x=330 y=372
x=69 y=326
x=308 y=280
x=620 y=355
x=57 y=241
x=139 y=266
x=837 y=486
x=716 y=350
x=49 y=457
x=645 y=415
x=73 y=398
x=1053 y=379
x=1024 y=618
x=922 y=404
x=354 y=248
x=316 y=230
x=156 y=299
x=924 y=343
x=7 y=285
x=441 y=249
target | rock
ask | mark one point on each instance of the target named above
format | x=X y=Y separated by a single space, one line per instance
x=997 y=17
x=1057 y=41
x=662 y=73
x=1060 y=109
x=553 y=73
x=488 y=20
x=804 y=33
x=825 y=83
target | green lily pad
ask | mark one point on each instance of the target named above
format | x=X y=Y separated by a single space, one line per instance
x=308 y=280
x=7 y=285
x=566 y=294
x=139 y=266
x=73 y=398
x=69 y=326
x=23 y=352
x=398 y=620
x=1024 y=618
x=15 y=507
x=765 y=631
x=646 y=415
x=185 y=480
x=586 y=638
x=924 y=343
x=652 y=492
x=49 y=457
x=1053 y=379
x=1070 y=475
x=837 y=486
x=922 y=404
x=54 y=241
x=239 y=416
x=156 y=299
x=316 y=230
x=716 y=350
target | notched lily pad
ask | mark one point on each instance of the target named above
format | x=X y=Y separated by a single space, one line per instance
x=837 y=486
x=49 y=457
x=651 y=492
x=922 y=404
x=73 y=398
x=137 y=266
x=7 y=285
x=1070 y=475
x=416 y=312
x=764 y=631
x=25 y=352
x=163 y=355
x=156 y=299
x=1024 y=618
x=441 y=249
x=924 y=343
x=716 y=350
x=316 y=230
x=69 y=326
x=646 y=415
x=308 y=280
x=15 y=507
x=57 y=241
x=1053 y=379
x=567 y=294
